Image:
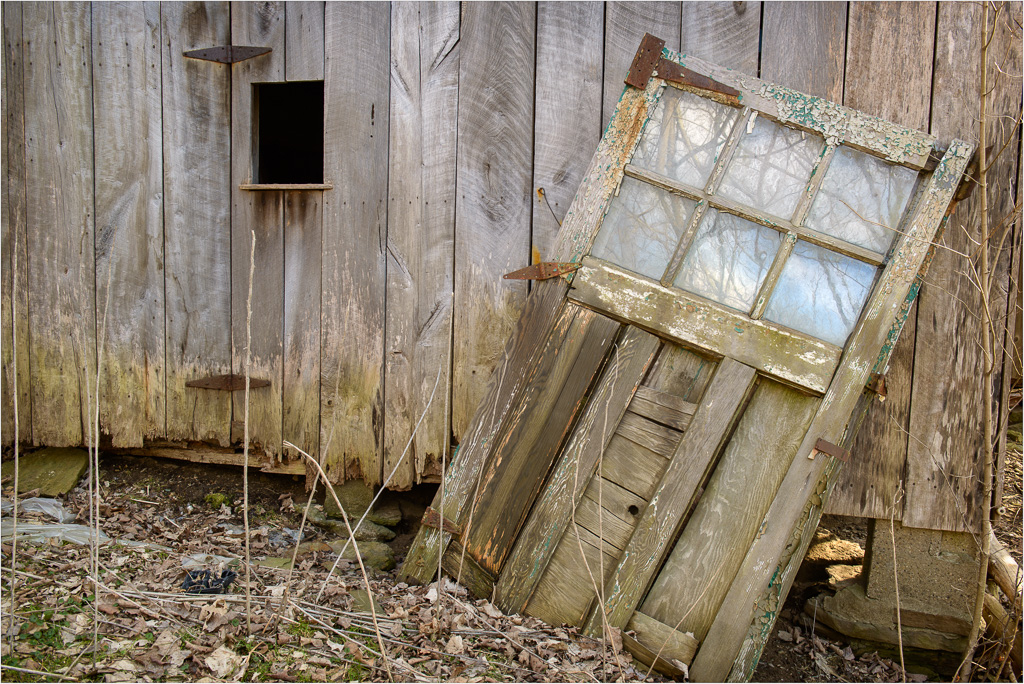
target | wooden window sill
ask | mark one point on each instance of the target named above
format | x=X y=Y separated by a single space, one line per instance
x=286 y=186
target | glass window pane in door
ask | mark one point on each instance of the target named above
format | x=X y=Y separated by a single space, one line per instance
x=642 y=228
x=820 y=293
x=861 y=199
x=684 y=136
x=729 y=259
x=771 y=167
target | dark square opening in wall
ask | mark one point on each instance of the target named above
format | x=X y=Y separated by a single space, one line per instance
x=288 y=132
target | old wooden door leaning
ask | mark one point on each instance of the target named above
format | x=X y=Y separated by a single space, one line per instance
x=655 y=447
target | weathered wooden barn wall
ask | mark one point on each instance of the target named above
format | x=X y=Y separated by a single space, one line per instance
x=455 y=137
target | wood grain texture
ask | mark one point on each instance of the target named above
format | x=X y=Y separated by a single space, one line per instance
x=745 y=618
x=726 y=33
x=625 y=24
x=793 y=357
x=303 y=246
x=197 y=219
x=610 y=511
x=659 y=525
x=662 y=638
x=421 y=238
x=632 y=466
x=693 y=580
x=567 y=120
x=61 y=264
x=492 y=220
x=356 y=110
x=804 y=46
x=13 y=221
x=262 y=24
x=300 y=412
x=536 y=545
x=662 y=407
x=645 y=432
x=128 y=128
x=522 y=352
x=944 y=456
x=888 y=74
x=304 y=41
x=680 y=373
x=574 y=575
x=529 y=442
x=467 y=572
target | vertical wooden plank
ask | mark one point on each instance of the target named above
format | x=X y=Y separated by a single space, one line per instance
x=197 y=219
x=12 y=219
x=356 y=110
x=421 y=237
x=261 y=24
x=129 y=220
x=303 y=218
x=58 y=139
x=492 y=220
x=300 y=413
x=888 y=74
x=725 y=33
x=944 y=454
x=625 y=23
x=567 y=123
x=304 y=41
x=804 y=46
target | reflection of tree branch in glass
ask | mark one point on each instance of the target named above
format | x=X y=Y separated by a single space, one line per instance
x=686 y=148
x=861 y=199
x=771 y=167
x=729 y=259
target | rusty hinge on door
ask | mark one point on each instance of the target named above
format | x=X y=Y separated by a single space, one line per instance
x=648 y=60
x=833 y=450
x=543 y=270
x=229 y=382
x=432 y=518
x=228 y=54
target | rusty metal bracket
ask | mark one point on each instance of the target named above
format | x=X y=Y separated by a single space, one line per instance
x=645 y=61
x=670 y=71
x=833 y=450
x=543 y=271
x=230 y=382
x=432 y=518
x=648 y=60
x=227 y=54
x=877 y=385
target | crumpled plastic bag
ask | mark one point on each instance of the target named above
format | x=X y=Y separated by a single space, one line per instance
x=38 y=504
x=39 y=532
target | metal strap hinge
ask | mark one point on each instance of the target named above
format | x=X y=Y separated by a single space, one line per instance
x=648 y=60
x=833 y=450
x=543 y=271
x=432 y=518
x=230 y=382
x=228 y=54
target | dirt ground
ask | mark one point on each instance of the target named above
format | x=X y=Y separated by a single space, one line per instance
x=150 y=631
